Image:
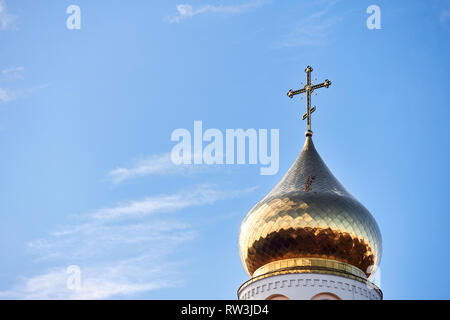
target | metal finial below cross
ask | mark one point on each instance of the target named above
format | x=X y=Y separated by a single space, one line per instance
x=308 y=89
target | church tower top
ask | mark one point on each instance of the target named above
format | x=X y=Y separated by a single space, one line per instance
x=309 y=223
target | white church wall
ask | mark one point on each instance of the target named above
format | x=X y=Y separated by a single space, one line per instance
x=305 y=286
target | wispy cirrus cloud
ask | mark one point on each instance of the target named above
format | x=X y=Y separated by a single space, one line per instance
x=201 y=195
x=159 y=164
x=121 y=250
x=8 y=95
x=188 y=11
x=129 y=223
x=315 y=29
x=98 y=282
x=7 y=20
x=11 y=74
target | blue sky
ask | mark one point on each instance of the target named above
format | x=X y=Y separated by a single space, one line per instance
x=79 y=106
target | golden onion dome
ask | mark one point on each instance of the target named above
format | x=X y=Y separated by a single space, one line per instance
x=307 y=222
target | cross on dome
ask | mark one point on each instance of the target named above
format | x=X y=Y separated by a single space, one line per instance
x=308 y=89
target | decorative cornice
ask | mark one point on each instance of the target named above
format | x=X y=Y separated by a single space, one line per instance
x=252 y=289
x=312 y=270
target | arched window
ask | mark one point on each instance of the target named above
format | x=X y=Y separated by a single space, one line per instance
x=277 y=297
x=325 y=296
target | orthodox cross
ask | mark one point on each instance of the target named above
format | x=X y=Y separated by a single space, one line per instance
x=308 y=89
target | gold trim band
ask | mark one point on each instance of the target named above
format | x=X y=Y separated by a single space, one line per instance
x=310 y=263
